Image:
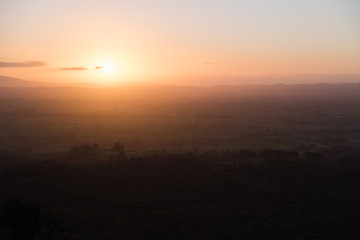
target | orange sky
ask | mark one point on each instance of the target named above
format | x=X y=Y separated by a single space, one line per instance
x=156 y=39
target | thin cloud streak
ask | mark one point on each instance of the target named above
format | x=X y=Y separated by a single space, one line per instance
x=75 y=68
x=99 y=67
x=22 y=64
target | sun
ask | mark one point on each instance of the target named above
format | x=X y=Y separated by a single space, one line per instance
x=106 y=73
x=106 y=67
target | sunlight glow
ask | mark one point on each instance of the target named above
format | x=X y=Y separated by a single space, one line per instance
x=107 y=67
x=105 y=73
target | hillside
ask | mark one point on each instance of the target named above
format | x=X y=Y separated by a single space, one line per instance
x=6 y=81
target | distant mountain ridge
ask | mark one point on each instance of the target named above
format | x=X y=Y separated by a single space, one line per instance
x=6 y=81
x=14 y=87
x=12 y=82
x=205 y=81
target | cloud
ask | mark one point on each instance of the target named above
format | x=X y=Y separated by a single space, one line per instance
x=99 y=67
x=75 y=68
x=22 y=64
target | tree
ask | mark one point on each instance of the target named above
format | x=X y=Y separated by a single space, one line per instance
x=119 y=150
x=118 y=147
x=84 y=150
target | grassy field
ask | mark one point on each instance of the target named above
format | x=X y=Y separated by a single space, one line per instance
x=179 y=124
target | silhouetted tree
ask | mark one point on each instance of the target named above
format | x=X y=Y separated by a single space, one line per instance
x=84 y=150
x=119 y=149
x=96 y=147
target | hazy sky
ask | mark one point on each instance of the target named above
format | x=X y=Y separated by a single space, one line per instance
x=107 y=40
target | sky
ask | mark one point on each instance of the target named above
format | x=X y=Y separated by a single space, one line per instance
x=112 y=41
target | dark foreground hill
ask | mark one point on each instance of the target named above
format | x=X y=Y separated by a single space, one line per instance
x=182 y=196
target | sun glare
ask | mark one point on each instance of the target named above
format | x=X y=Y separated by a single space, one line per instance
x=106 y=73
x=107 y=67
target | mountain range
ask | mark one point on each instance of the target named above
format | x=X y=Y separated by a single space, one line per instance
x=6 y=81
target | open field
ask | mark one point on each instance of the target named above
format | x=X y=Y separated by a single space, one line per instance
x=179 y=119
